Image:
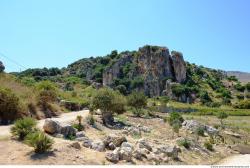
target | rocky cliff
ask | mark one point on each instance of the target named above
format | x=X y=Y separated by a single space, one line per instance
x=153 y=64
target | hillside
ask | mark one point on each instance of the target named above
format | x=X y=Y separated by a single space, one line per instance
x=244 y=77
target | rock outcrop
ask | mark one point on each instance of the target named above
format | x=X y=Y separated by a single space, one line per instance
x=151 y=63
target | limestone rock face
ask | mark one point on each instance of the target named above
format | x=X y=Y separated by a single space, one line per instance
x=153 y=64
x=114 y=71
x=179 y=66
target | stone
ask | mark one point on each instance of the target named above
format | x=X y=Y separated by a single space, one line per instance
x=113 y=156
x=51 y=127
x=116 y=139
x=233 y=134
x=68 y=130
x=127 y=144
x=125 y=153
x=98 y=146
x=111 y=146
x=59 y=136
x=80 y=134
x=170 y=151
x=211 y=130
x=75 y=145
x=142 y=143
x=140 y=153
x=192 y=125
x=86 y=142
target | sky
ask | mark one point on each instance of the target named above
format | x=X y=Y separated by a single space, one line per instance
x=55 y=33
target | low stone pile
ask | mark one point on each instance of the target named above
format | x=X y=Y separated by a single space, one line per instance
x=136 y=130
x=193 y=125
x=143 y=150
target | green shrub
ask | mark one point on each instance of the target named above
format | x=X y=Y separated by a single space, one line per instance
x=39 y=141
x=244 y=104
x=22 y=127
x=79 y=127
x=240 y=96
x=222 y=115
x=185 y=143
x=137 y=100
x=248 y=86
x=204 y=97
x=239 y=87
x=200 y=131
x=208 y=146
x=10 y=106
x=175 y=117
x=122 y=89
x=90 y=119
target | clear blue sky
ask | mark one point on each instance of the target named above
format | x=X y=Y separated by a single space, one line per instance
x=55 y=33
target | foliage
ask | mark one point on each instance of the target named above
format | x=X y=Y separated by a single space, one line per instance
x=79 y=127
x=109 y=102
x=208 y=146
x=185 y=143
x=22 y=127
x=239 y=87
x=200 y=131
x=137 y=100
x=205 y=98
x=90 y=119
x=248 y=86
x=175 y=117
x=39 y=141
x=10 y=106
x=122 y=89
x=244 y=104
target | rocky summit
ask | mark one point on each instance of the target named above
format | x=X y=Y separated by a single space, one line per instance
x=154 y=65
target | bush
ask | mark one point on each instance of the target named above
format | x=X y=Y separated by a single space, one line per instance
x=239 y=87
x=122 y=89
x=39 y=141
x=200 y=131
x=90 y=119
x=109 y=102
x=244 y=104
x=2 y=67
x=185 y=143
x=79 y=127
x=137 y=100
x=204 y=97
x=10 y=107
x=175 y=117
x=23 y=127
x=248 y=86
x=208 y=146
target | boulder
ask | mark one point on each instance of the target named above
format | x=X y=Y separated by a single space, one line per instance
x=127 y=144
x=98 y=146
x=142 y=143
x=211 y=130
x=125 y=153
x=51 y=127
x=68 y=130
x=111 y=146
x=113 y=156
x=80 y=134
x=86 y=142
x=140 y=153
x=170 y=151
x=75 y=145
x=192 y=125
x=117 y=140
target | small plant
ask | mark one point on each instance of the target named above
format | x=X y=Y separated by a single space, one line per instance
x=222 y=115
x=23 y=127
x=91 y=120
x=70 y=137
x=79 y=127
x=39 y=141
x=200 y=131
x=185 y=143
x=208 y=146
x=176 y=126
x=174 y=117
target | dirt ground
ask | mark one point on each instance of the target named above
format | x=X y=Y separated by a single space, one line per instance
x=161 y=133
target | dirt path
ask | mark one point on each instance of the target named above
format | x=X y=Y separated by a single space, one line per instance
x=63 y=118
x=236 y=160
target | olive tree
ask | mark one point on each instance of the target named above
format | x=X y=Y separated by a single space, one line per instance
x=137 y=100
x=109 y=102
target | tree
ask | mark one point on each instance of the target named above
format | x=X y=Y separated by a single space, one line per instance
x=175 y=118
x=109 y=102
x=2 y=67
x=137 y=100
x=222 y=115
